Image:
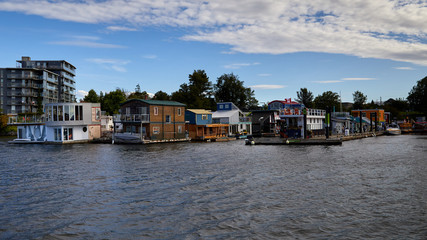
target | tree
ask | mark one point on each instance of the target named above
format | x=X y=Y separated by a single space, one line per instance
x=160 y=95
x=417 y=97
x=397 y=107
x=305 y=97
x=112 y=100
x=359 y=100
x=327 y=99
x=197 y=93
x=138 y=94
x=91 y=97
x=229 y=88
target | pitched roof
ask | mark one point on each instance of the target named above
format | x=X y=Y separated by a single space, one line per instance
x=200 y=111
x=158 y=102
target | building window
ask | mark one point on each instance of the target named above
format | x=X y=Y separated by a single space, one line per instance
x=60 y=113
x=204 y=116
x=67 y=113
x=179 y=111
x=179 y=129
x=55 y=113
x=221 y=106
x=156 y=111
x=57 y=134
x=68 y=134
x=128 y=111
x=168 y=119
x=71 y=113
x=156 y=130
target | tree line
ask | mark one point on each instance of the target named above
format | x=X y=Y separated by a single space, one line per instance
x=414 y=105
x=198 y=93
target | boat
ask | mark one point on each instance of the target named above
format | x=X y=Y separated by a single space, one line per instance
x=393 y=129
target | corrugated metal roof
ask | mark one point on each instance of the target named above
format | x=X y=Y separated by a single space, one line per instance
x=200 y=111
x=157 y=102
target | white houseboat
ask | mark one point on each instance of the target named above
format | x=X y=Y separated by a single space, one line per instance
x=61 y=123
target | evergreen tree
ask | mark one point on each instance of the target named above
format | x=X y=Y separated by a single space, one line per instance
x=359 y=100
x=327 y=99
x=418 y=96
x=138 y=94
x=112 y=100
x=197 y=93
x=229 y=88
x=91 y=97
x=160 y=95
x=305 y=97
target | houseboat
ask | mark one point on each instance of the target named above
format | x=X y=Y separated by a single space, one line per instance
x=200 y=127
x=291 y=118
x=60 y=123
x=150 y=121
x=228 y=113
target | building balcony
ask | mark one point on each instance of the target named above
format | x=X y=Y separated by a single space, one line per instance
x=245 y=119
x=140 y=118
x=25 y=119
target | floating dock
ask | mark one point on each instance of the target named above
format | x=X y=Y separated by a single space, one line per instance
x=282 y=141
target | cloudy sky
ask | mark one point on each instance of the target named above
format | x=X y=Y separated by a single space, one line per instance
x=276 y=47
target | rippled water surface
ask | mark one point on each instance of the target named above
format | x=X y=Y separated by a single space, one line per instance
x=368 y=188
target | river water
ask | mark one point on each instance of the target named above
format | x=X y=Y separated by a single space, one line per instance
x=372 y=188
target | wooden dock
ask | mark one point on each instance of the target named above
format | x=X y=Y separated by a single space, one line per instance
x=282 y=141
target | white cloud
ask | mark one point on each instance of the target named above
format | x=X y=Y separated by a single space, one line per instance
x=150 y=56
x=358 y=79
x=329 y=81
x=81 y=94
x=267 y=86
x=85 y=41
x=385 y=29
x=110 y=64
x=239 y=65
x=264 y=74
x=404 y=68
x=121 y=28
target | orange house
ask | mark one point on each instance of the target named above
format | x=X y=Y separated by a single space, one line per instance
x=370 y=114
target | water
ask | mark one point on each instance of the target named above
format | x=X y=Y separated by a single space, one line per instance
x=372 y=188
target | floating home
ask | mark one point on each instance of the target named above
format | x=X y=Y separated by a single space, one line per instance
x=60 y=123
x=228 y=113
x=291 y=118
x=148 y=121
x=200 y=126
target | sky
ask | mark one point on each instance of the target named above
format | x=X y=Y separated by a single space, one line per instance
x=275 y=47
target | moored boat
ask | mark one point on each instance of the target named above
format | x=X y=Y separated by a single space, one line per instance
x=393 y=129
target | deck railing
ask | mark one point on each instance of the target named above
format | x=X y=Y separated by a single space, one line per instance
x=132 y=118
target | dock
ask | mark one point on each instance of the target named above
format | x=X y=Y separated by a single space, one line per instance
x=282 y=141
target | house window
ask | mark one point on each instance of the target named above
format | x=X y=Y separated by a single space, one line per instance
x=128 y=111
x=221 y=106
x=179 y=111
x=179 y=129
x=156 y=130
x=204 y=116
x=168 y=119
x=68 y=134
x=57 y=134
x=156 y=111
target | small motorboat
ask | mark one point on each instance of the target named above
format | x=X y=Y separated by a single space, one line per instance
x=393 y=129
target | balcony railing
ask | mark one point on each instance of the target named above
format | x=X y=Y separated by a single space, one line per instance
x=26 y=119
x=132 y=118
x=245 y=119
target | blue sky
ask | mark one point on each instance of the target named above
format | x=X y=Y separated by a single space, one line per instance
x=275 y=47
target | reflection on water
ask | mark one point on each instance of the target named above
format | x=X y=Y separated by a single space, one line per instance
x=368 y=188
